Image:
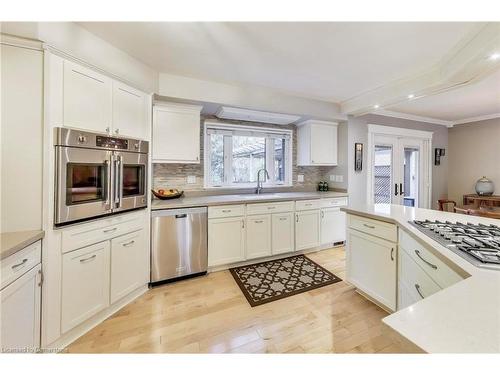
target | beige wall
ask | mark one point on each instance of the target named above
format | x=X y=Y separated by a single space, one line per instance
x=474 y=151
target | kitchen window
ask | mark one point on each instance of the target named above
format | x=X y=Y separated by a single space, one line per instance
x=234 y=154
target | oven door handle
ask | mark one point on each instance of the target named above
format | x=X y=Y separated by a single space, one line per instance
x=117 y=188
x=107 y=203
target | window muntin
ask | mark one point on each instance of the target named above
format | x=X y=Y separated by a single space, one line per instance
x=234 y=154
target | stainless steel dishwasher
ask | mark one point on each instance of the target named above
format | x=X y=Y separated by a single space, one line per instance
x=179 y=243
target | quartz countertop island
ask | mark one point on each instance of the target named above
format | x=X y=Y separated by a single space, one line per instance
x=463 y=318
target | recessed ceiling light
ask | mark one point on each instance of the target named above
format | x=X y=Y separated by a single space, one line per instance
x=411 y=96
x=495 y=56
x=376 y=106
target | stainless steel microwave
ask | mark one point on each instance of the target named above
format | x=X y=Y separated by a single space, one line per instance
x=98 y=175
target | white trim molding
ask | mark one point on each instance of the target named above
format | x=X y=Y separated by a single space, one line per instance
x=477 y=118
x=399 y=132
x=406 y=116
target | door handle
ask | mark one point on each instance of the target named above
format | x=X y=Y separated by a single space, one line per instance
x=401 y=189
x=395 y=189
x=296 y=218
x=116 y=199
x=417 y=287
x=180 y=216
x=392 y=254
x=108 y=187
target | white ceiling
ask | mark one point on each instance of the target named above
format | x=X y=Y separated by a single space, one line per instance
x=329 y=61
x=475 y=100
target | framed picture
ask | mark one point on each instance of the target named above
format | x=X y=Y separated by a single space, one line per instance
x=358 y=156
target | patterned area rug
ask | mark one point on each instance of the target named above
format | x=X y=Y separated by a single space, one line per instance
x=269 y=281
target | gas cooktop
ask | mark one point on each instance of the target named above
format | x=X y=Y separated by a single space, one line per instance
x=477 y=243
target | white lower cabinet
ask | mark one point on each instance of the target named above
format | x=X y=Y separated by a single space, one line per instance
x=226 y=240
x=85 y=284
x=282 y=229
x=333 y=225
x=129 y=264
x=307 y=229
x=20 y=312
x=371 y=266
x=258 y=236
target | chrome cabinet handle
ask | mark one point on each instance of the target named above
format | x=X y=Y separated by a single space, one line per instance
x=433 y=266
x=369 y=226
x=108 y=188
x=417 y=287
x=243 y=223
x=117 y=131
x=225 y=211
x=22 y=263
x=128 y=243
x=88 y=259
x=258 y=221
x=109 y=230
x=307 y=204
x=322 y=214
x=297 y=218
x=392 y=254
x=40 y=282
x=271 y=208
x=283 y=218
x=107 y=129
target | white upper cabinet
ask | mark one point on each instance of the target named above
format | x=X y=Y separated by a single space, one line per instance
x=130 y=114
x=176 y=133
x=86 y=98
x=317 y=143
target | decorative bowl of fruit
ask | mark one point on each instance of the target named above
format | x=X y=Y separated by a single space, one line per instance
x=167 y=193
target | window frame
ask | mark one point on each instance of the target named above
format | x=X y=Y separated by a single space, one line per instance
x=227 y=130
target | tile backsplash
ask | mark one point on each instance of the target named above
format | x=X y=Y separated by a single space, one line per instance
x=175 y=175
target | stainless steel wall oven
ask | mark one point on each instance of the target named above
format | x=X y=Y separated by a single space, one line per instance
x=98 y=175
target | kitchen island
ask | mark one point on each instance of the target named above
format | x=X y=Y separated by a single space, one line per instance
x=461 y=318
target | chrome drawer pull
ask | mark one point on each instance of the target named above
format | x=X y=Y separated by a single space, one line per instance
x=392 y=254
x=87 y=259
x=308 y=204
x=128 y=243
x=258 y=221
x=417 y=287
x=271 y=208
x=283 y=218
x=425 y=261
x=225 y=211
x=23 y=262
x=369 y=226
x=109 y=230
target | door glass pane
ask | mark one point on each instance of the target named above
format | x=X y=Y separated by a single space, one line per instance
x=85 y=183
x=217 y=159
x=249 y=155
x=382 y=174
x=279 y=160
x=133 y=180
x=410 y=179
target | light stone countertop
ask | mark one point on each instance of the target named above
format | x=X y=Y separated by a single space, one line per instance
x=12 y=242
x=225 y=199
x=463 y=318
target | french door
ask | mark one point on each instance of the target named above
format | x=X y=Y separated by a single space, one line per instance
x=399 y=169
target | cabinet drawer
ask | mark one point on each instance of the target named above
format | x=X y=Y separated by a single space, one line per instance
x=415 y=280
x=85 y=284
x=226 y=211
x=87 y=234
x=269 y=208
x=381 y=229
x=311 y=204
x=19 y=263
x=442 y=274
x=333 y=202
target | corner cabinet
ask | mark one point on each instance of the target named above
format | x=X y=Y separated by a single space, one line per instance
x=317 y=143
x=176 y=133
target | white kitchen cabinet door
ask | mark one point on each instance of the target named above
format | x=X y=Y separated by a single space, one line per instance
x=87 y=100
x=333 y=225
x=85 y=284
x=307 y=229
x=226 y=240
x=130 y=112
x=317 y=143
x=20 y=312
x=371 y=267
x=129 y=264
x=258 y=236
x=283 y=238
x=176 y=134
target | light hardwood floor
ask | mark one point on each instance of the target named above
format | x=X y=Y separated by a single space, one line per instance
x=210 y=315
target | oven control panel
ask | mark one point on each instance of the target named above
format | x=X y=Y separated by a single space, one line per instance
x=114 y=143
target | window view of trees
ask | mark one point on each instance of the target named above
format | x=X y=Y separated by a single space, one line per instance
x=249 y=155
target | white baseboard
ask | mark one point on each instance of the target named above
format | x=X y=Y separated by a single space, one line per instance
x=272 y=257
x=66 y=339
